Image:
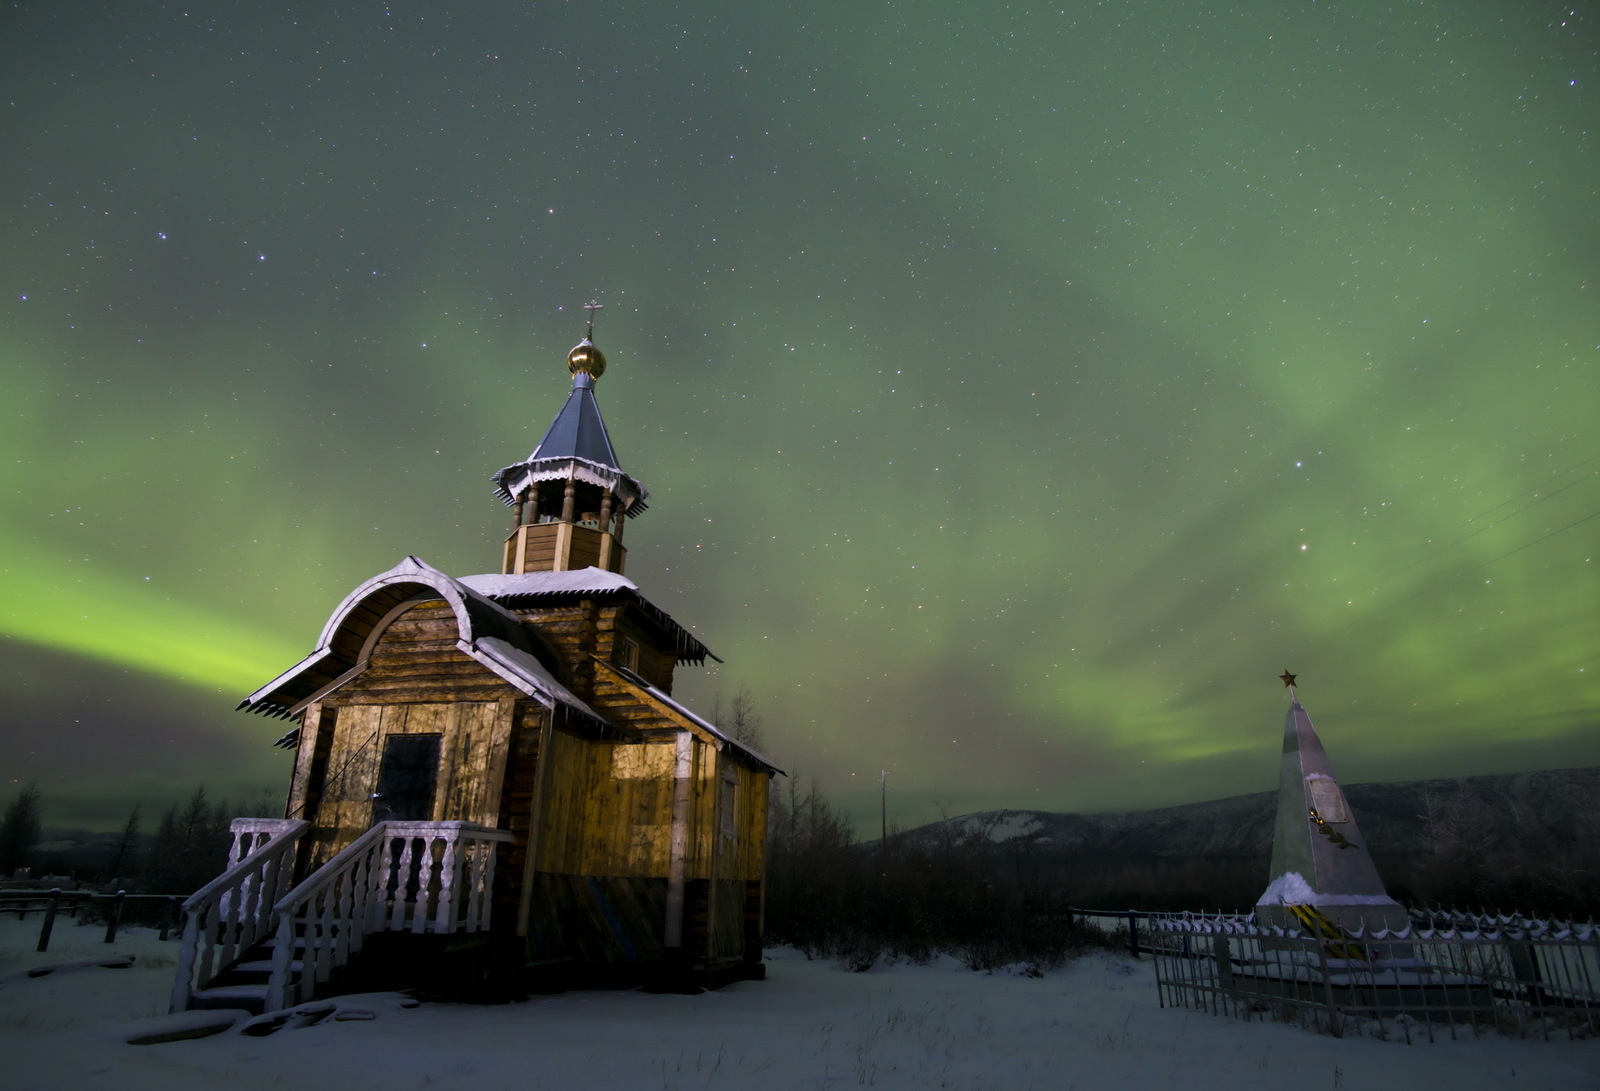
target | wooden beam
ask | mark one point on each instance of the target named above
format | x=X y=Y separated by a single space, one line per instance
x=662 y=709
x=535 y=820
x=683 y=772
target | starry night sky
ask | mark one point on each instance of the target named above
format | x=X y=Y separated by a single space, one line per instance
x=1021 y=388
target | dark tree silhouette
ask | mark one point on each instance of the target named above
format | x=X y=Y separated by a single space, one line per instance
x=739 y=719
x=125 y=862
x=19 y=830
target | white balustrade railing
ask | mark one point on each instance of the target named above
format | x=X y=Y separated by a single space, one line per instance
x=233 y=912
x=418 y=877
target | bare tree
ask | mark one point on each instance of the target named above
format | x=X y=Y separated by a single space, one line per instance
x=125 y=862
x=739 y=720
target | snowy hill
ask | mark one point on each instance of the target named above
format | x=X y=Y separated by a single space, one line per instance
x=1541 y=817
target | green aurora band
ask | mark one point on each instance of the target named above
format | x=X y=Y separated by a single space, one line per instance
x=1021 y=390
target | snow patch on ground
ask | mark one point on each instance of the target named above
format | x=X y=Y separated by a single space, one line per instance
x=811 y=1025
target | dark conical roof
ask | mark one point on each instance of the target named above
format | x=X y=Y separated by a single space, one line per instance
x=578 y=430
x=576 y=445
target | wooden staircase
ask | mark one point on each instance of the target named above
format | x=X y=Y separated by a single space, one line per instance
x=251 y=941
x=243 y=983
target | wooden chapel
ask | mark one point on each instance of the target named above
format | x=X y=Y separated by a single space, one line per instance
x=492 y=779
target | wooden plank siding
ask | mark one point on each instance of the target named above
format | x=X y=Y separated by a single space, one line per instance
x=536 y=547
x=599 y=892
x=607 y=807
x=416 y=682
x=596 y=919
x=474 y=743
x=655 y=664
x=310 y=760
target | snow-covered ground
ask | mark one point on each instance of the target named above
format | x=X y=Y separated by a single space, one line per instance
x=1093 y=1024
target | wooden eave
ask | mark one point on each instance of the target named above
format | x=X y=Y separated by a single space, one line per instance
x=686 y=647
x=670 y=710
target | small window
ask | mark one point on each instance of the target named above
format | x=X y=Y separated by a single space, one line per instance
x=627 y=653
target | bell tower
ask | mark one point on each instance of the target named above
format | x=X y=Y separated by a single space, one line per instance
x=570 y=498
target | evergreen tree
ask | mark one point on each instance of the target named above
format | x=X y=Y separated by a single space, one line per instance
x=19 y=830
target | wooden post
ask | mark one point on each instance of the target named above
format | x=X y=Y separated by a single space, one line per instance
x=116 y=915
x=49 y=919
x=677 y=861
x=1133 y=932
x=170 y=917
x=519 y=559
x=605 y=532
x=883 y=810
x=276 y=995
x=189 y=947
x=517 y=509
x=569 y=500
x=541 y=779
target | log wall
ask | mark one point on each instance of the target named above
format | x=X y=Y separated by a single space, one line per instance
x=586 y=877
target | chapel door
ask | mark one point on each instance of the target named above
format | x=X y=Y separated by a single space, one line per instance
x=408 y=774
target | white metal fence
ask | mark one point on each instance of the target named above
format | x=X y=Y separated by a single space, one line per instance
x=1448 y=974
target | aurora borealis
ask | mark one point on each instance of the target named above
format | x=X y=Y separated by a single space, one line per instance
x=1020 y=388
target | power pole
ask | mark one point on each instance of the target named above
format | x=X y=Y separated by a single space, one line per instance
x=883 y=806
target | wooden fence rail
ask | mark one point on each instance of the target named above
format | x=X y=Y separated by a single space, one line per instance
x=55 y=901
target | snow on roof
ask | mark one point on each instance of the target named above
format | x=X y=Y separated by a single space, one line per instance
x=527 y=674
x=529 y=587
x=512 y=480
x=497 y=586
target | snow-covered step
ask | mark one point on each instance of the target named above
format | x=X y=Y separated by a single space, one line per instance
x=250 y=997
x=263 y=966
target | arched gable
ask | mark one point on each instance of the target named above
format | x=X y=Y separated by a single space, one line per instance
x=372 y=604
x=486 y=632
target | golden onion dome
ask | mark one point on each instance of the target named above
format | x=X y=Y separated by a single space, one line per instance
x=587 y=357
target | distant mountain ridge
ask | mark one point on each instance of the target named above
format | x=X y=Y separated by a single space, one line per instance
x=1399 y=820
